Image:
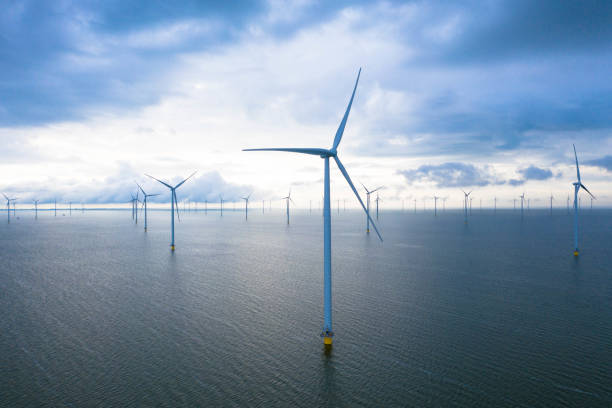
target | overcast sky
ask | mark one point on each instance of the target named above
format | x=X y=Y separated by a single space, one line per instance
x=486 y=96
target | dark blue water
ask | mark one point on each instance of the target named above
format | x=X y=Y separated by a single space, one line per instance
x=94 y=312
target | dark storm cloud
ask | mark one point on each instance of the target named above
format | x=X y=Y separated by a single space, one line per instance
x=604 y=163
x=503 y=29
x=57 y=58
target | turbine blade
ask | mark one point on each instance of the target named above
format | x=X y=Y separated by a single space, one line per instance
x=376 y=189
x=177 y=207
x=143 y=192
x=587 y=190
x=348 y=180
x=165 y=184
x=181 y=183
x=365 y=188
x=340 y=130
x=577 y=168
x=306 y=150
x=152 y=195
x=5 y=196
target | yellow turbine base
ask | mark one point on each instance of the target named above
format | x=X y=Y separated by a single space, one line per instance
x=575 y=253
x=327 y=341
x=172 y=247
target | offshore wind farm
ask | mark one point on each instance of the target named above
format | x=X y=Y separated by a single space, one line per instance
x=289 y=204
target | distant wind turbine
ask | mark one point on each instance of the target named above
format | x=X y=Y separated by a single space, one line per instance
x=551 y=200
x=368 y=192
x=377 y=201
x=577 y=186
x=465 y=205
x=288 y=198
x=435 y=205
x=8 y=206
x=36 y=209
x=326 y=154
x=173 y=201
x=221 y=201
x=246 y=206
x=522 y=197
x=144 y=204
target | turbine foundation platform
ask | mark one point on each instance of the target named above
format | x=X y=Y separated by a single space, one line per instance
x=576 y=253
x=172 y=247
x=327 y=337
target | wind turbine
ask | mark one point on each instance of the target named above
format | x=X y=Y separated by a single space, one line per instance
x=136 y=201
x=551 y=200
x=522 y=197
x=368 y=192
x=55 y=206
x=377 y=201
x=288 y=198
x=8 y=206
x=415 y=205
x=36 y=209
x=246 y=206
x=465 y=205
x=326 y=154
x=172 y=202
x=435 y=205
x=144 y=203
x=70 y=207
x=577 y=186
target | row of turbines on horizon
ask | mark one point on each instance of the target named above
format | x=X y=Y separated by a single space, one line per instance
x=325 y=154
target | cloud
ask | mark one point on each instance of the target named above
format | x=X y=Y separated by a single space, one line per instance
x=531 y=173
x=119 y=187
x=535 y=173
x=603 y=162
x=451 y=175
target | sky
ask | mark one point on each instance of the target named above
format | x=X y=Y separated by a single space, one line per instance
x=484 y=96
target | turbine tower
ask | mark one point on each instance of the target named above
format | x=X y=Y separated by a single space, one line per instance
x=173 y=201
x=221 y=201
x=522 y=197
x=577 y=186
x=368 y=192
x=246 y=206
x=144 y=203
x=326 y=154
x=36 y=209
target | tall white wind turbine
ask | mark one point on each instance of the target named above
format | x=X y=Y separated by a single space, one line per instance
x=326 y=154
x=577 y=186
